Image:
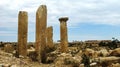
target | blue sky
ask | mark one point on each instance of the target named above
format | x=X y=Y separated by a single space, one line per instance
x=88 y=19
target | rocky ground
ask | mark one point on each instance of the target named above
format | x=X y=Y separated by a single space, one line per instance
x=8 y=60
x=98 y=57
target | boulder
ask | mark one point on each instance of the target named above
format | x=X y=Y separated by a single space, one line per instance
x=79 y=53
x=74 y=61
x=115 y=52
x=115 y=65
x=103 y=53
x=32 y=53
x=31 y=49
x=9 y=48
x=107 y=61
x=81 y=65
x=111 y=59
x=67 y=59
x=89 y=52
x=52 y=56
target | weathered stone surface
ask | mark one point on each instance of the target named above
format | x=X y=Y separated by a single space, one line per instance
x=49 y=33
x=32 y=53
x=52 y=56
x=63 y=34
x=59 y=61
x=103 y=52
x=108 y=59
x=9 y=48
x=115 y=65
x=66 y=59
x=22 y=32
x=89 y=52
x=115 y=52
x=41 y=24
x=73 y=50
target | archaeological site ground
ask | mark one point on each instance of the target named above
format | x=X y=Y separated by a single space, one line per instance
x=44 y=52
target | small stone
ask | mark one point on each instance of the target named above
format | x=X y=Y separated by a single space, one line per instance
x=7 y=65
x=1 y=65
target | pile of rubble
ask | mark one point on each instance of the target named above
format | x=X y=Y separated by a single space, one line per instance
x=9 y=60
x=72 y=58
x=102 y=58
x=43 y=52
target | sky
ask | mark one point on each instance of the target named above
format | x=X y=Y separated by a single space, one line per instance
x=88 y=19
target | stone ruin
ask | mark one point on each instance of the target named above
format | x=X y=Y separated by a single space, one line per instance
x=44 y=42
x=49 y=33
x=44 y=34
x=22 y=33
x=41 y=26
x=63 y=34
x=63 y=57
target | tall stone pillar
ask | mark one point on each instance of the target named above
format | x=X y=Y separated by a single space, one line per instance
x=63 y=34
x=41 y=25
x=22 y=32
x=50 y=37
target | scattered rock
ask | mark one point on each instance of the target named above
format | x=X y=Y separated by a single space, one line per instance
x=115 y=65
x=103 y=53
x=115 y=52
x=89 y=52
x=8 y=48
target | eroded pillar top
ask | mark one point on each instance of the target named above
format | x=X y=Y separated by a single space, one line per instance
x=23 y=12
x=42 y=10
x=63 y=19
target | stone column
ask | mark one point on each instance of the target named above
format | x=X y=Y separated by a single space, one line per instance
x=63 y=34
x=41 y=25
x=22 y=32
x=50 y=37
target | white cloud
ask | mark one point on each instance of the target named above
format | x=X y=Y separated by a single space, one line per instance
x=7 y=33
x=78 y=11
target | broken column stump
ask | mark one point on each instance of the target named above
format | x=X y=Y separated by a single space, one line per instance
x=63 y=34
x=49 y=34
x=22 y=33
x=41 y=25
